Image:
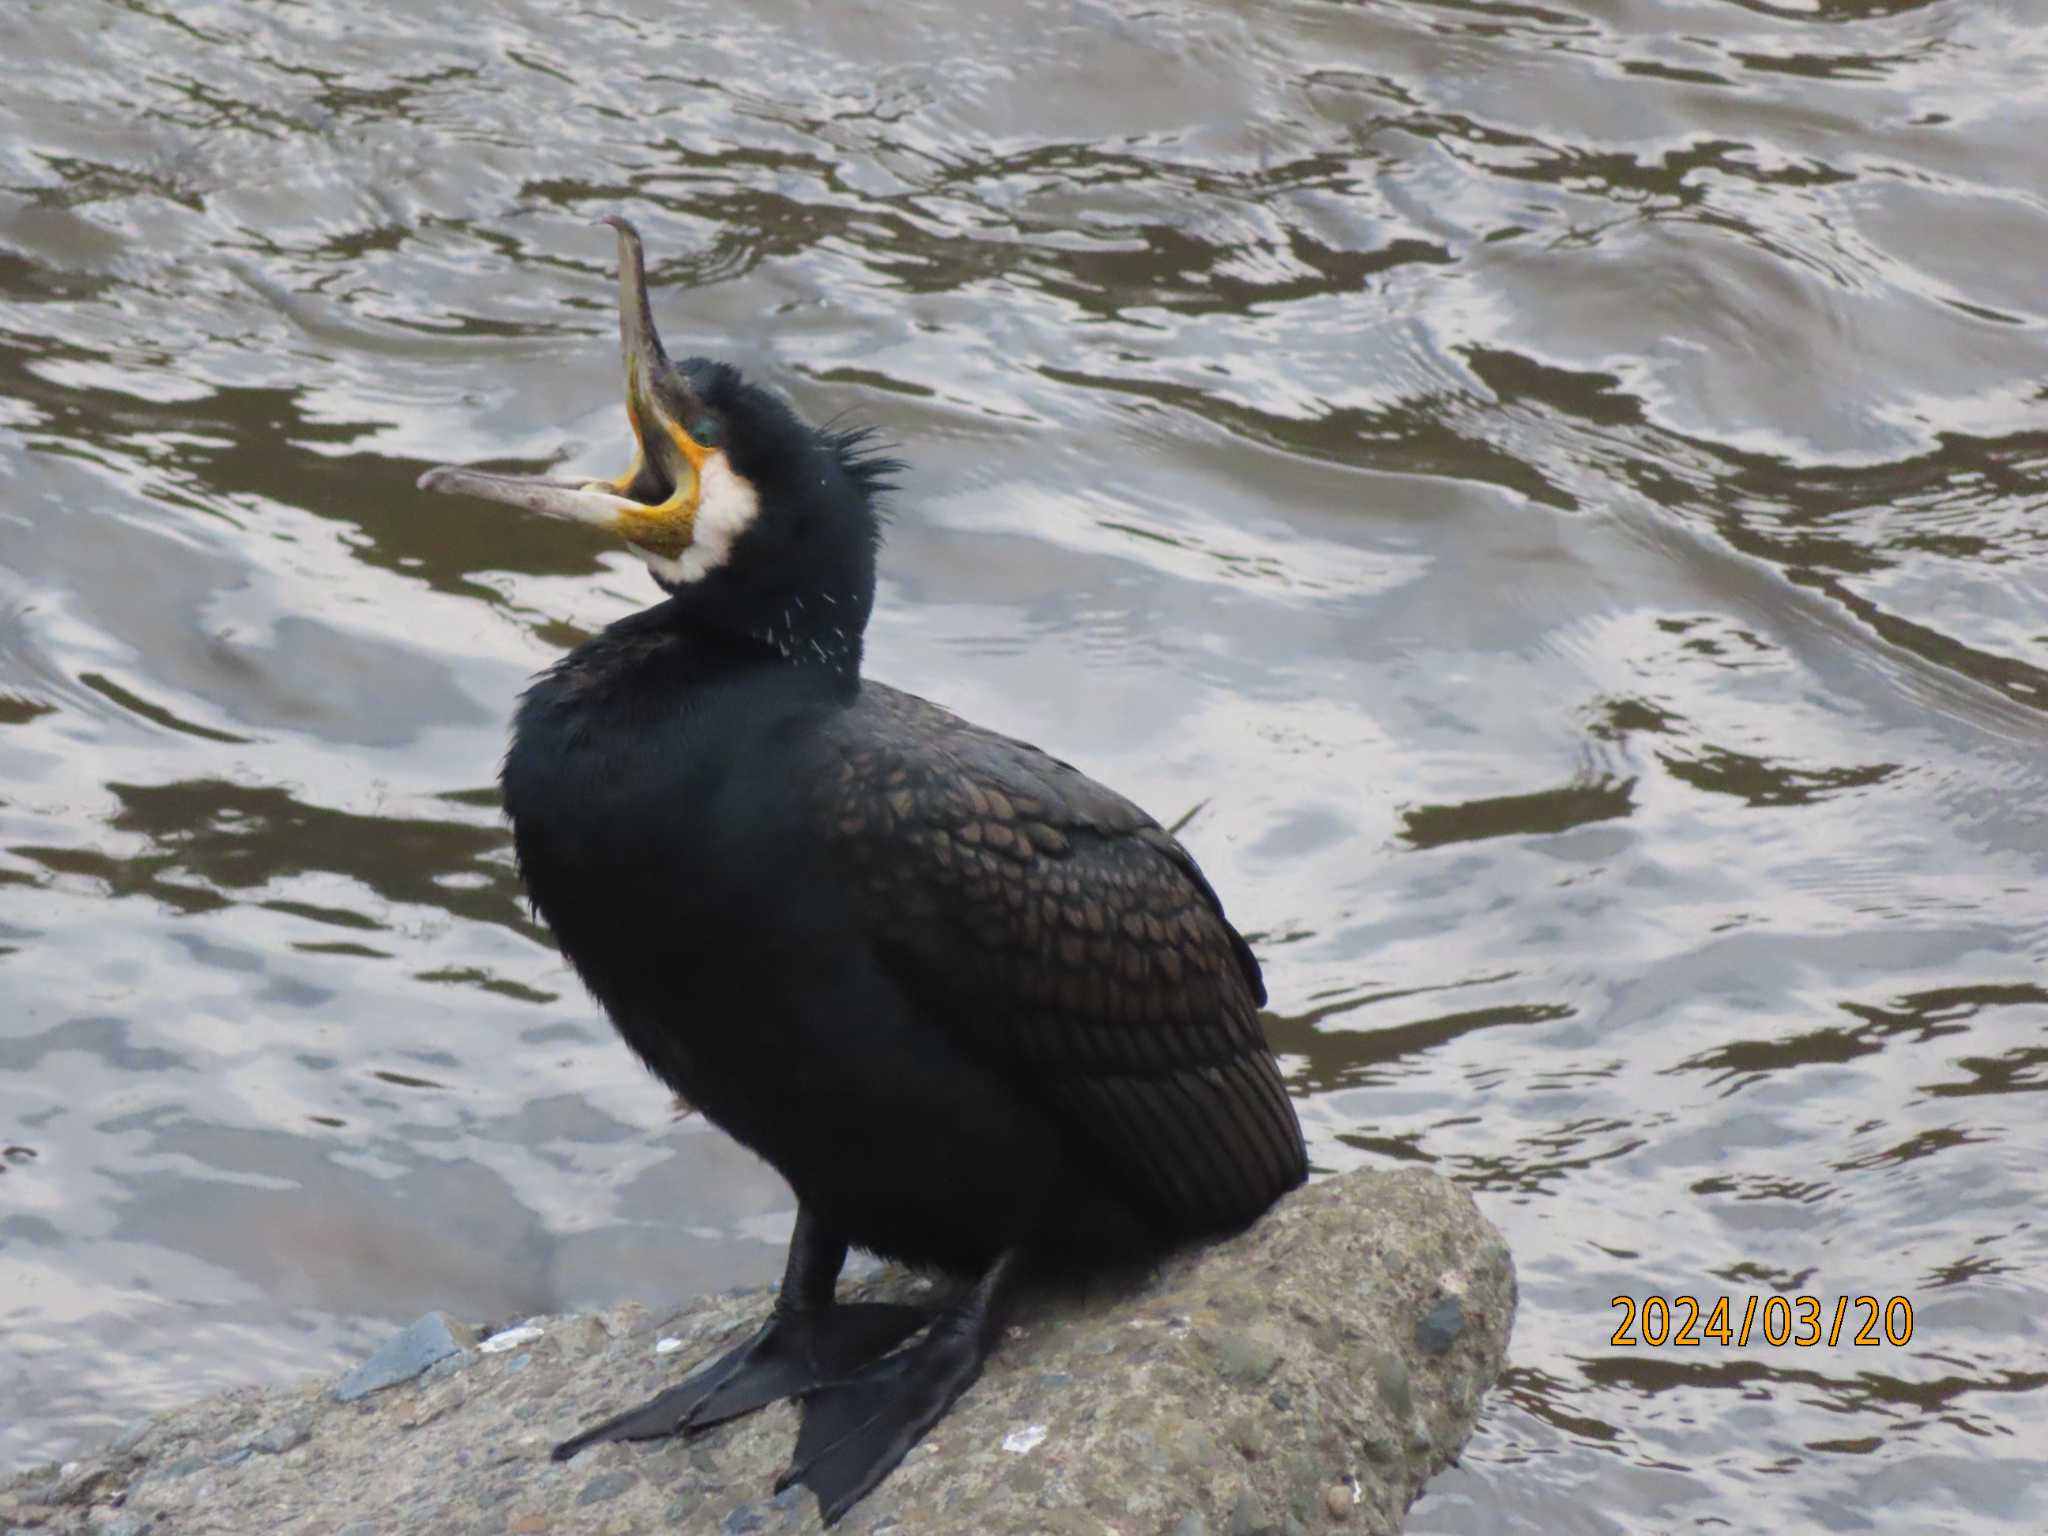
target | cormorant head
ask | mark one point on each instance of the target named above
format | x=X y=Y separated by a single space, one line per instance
x=755 y=521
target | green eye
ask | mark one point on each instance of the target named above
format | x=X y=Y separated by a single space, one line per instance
x=705 y=432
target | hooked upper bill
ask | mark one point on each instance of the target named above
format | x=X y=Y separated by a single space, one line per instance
x=654 y=505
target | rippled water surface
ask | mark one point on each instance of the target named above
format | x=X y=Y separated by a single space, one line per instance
x=1553 y=493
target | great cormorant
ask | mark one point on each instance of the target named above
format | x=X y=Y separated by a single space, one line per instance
x=982 y=1013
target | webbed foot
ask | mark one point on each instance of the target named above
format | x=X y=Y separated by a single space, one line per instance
x=855 y=1431
x=793 y=1352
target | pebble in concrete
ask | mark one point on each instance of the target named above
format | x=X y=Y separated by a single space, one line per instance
x=283 y=1436
x=606 y=1485
x=1440 y=1326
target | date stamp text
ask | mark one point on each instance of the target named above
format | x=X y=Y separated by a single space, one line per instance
x=1732 y=1321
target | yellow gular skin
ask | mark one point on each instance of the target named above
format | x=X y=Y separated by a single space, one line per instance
x=666 y=528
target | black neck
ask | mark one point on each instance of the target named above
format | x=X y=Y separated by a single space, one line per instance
x=819 y=630
x=816 y=631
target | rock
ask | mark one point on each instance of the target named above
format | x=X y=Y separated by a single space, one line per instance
x=1440 y=1326
x=581 y=1336
x=1337 y=1499
x=76 y=1482
x=1247 y=1356
x=415 y=1347
x=172 y=1470
x=132 y=1437
x=1391 y=1376
x=1309 y=1375
x=285 y=1435
x=606 y=1485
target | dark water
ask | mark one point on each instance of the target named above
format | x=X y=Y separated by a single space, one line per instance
x=1555 y=493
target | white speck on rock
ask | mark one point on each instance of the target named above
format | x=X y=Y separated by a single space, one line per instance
x=1027 y=1439
x=511 y=1338
x=667 y=1346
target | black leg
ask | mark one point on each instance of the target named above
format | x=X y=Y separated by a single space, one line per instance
x=808 y=1340
x=855 y=1431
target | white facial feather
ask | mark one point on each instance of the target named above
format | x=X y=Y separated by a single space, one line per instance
x=726 y=508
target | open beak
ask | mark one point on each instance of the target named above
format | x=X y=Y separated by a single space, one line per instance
x=654 y=504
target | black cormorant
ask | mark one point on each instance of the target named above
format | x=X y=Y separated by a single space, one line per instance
x=982 y=1013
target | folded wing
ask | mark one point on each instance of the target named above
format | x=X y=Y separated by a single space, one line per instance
x=1061 y=936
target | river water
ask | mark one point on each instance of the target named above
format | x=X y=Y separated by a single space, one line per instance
x=1552 y=494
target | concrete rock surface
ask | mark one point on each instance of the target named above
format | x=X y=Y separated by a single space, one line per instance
x=1308 y=1376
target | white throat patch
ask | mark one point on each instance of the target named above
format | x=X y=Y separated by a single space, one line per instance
x=726 y=508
